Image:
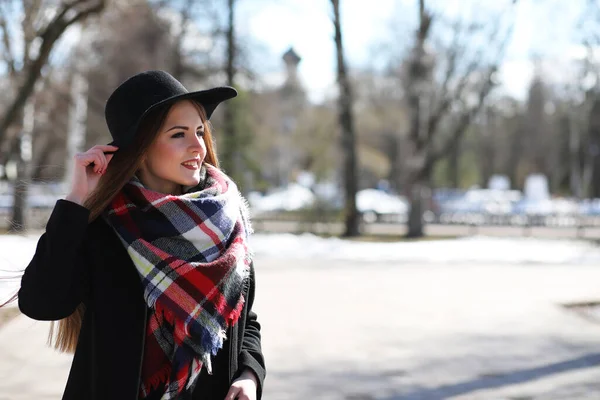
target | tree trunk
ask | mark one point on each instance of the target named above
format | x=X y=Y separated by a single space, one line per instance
x=485 y=160
x=18 y=221
x=393 y=151
x=230 y=150
x=595 y=171
x=418 y=136
x=415 y=216
x=415 y=186
x=346 y=121
x=515 y=155
x=575 y=162
x=453 y=167
x=77 y=119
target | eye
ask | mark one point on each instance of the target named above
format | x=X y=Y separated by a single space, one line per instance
x=178 y=135
x=200 y=133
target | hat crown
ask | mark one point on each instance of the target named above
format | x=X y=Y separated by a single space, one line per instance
x=130 y=101
x=133 y=99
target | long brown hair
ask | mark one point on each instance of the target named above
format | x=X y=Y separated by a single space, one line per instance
x=122 y=167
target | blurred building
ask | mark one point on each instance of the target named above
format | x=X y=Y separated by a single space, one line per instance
x=280 y=112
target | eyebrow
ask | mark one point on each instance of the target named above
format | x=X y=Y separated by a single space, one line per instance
x=185 y=128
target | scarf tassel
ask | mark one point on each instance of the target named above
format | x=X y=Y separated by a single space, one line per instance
x=160 y=377
x=236 y=312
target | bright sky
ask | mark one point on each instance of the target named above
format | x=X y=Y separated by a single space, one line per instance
x=544 y=28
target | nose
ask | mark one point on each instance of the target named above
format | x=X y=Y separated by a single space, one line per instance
x=196 y=144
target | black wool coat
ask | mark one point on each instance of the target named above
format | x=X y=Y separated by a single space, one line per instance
x=76 y=262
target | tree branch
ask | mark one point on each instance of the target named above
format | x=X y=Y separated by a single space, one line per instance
x=28 y=26
x=51 y=34
x=447 y=97
x=427 y=152
x=7 y=40
x=463 y=122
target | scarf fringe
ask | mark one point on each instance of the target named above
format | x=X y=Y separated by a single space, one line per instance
x=161 y=376
x=237 y=312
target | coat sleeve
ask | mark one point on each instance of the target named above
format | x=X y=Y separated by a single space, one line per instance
x=55 y=281
x=251 y=355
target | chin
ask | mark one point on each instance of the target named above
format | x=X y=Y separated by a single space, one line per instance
x=193 y=181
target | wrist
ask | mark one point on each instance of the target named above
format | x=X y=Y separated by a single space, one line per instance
x=74 y=198
x=249 y=374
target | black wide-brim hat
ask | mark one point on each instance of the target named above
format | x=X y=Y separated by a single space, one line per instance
x=138 y=95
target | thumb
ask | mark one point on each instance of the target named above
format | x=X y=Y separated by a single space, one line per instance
x=232 y=394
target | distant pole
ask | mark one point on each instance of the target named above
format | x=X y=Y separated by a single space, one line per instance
x=574 y=147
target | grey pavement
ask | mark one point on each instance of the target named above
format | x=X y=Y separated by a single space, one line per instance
x=354 y=331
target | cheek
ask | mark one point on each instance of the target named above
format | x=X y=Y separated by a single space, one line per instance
x=162 y=157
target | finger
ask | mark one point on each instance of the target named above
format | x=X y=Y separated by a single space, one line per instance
x=97 y=163
x=109 y=157
x=93 y=160
x=233 y=392
x=105 y=147
x=102 y=157
x=90 y=159
x=85 y=159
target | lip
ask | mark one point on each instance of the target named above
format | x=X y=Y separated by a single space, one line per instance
x=193 y=168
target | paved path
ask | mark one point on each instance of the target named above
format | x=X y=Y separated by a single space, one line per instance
x=391 y=332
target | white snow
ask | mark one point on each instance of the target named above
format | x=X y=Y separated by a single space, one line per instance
x=292 y=197
x=296 y=197
x=16 y=251
x=471 y=250
x=380 y=202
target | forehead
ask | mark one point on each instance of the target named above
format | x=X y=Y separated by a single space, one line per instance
x=184 y=109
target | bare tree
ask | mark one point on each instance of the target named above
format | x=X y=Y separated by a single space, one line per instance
x=192 y=21
x=440 y=117
x=346 y=121
x=69 y=13
x=230 y=152
x=536 y=126
x=379 y=113
x=28 y=71
x=586 y=133
x=418 y=75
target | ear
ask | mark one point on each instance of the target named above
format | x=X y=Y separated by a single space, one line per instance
x=141 y=167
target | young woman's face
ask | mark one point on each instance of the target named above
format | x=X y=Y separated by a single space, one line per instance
x=174 y=158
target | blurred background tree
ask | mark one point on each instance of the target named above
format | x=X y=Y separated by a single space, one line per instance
x=425 y=111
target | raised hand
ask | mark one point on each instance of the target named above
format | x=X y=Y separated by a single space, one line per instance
x=87 y=169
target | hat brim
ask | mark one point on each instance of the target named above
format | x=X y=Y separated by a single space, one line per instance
x=209 y=98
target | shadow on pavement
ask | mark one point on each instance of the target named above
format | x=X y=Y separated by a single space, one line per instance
x=512 y=378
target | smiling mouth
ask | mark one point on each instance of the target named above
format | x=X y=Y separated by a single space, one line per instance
x=191 y=165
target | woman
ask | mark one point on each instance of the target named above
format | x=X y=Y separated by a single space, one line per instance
x=146 y=263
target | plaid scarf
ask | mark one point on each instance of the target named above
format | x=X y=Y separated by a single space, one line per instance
x=192 y=255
